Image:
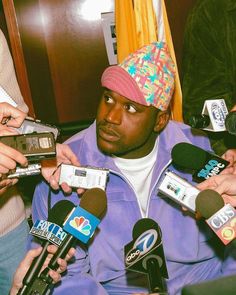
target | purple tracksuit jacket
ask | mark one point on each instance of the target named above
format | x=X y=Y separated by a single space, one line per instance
x=191 y=248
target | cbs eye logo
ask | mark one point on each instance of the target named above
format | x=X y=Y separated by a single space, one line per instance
x=228 y=232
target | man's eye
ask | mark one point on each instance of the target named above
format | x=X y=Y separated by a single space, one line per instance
x=131 y=109
x=108 y=99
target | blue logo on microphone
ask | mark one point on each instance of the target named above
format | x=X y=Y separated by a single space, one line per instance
x=146 y=241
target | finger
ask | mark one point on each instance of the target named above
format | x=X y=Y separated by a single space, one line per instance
x=53 y=183
x=13 y=155
x=70 y=254
x=66 y=189
x=52 y=249
x=16 y=116
x=7 y=131
x=62 y=265
x=80 y=191
x=31 y=254
x=54 y=275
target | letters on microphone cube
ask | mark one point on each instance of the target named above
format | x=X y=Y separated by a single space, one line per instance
x=223 y=223
x=217 y=110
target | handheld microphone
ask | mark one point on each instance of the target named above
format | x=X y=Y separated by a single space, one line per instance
x=230 y=122
x=80 y=225
x=199 y=121
x=201 y=163
x=224 y=285
x=57 y=214
x=145 y=254
x=221 y=218
x=216 y=110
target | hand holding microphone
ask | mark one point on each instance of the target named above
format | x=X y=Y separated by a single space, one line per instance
x=225 y=185
x=42 y=229
x=80 y=225
x=200 y=163
x=28 y=260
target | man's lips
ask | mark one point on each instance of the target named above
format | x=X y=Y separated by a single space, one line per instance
x=108 y=134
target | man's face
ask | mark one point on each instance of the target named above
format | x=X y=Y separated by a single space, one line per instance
x=125 y=128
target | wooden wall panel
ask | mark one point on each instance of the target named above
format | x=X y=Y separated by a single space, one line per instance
x=65 y=54
x=177 y=11
x=77 y=57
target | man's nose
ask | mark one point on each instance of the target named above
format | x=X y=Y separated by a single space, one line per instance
x=114 y=115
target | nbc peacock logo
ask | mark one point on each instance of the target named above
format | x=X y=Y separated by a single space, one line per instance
x=81 y=224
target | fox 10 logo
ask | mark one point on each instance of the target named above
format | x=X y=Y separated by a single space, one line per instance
x=223 y=223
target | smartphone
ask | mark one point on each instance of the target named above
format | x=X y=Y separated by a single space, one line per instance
x=35 y=146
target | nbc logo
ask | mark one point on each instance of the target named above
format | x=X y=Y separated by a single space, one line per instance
x=81 y=224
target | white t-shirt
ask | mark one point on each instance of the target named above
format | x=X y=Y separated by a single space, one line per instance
x=139 y=173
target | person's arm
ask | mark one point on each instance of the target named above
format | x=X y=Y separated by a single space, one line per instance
x=224 y=184
x=9 y=157
x=27 y=261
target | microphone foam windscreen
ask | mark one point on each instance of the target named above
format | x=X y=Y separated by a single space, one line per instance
x=208 y=202
x=58 y=213
x=143 y=225
x=94 y=201
x=188 y=156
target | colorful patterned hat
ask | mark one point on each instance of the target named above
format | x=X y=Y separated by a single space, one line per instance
x=145 y=76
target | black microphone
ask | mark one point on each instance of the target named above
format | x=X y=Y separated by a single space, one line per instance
x=57 y=214
x=145 y=254
x=221 y=218
x=230 y=122
x=80 y=225
x=197 y=161
x=199 y=121
x=224 y=285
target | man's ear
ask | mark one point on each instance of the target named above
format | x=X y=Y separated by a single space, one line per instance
x=162 y=119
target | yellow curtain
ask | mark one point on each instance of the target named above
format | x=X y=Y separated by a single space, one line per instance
x=176 y=103
x=125 y=28
x=136 y=26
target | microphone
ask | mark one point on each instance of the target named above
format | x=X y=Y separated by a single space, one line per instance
x=145 y=254
x=199 y=121
x=230 y=122
x=80 y=225
x=213 y=116
x=225 y=285
x=220 y=217
x=57 y=214
x=197 y=161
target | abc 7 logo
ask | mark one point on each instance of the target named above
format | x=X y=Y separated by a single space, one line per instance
x=228 y=232
x=146 y=241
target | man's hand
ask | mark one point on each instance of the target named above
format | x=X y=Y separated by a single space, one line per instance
x=9 y=157
x=10 y=115
x=27 y=261
x=224 y=184
x=51 y=168
x=230 y=155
